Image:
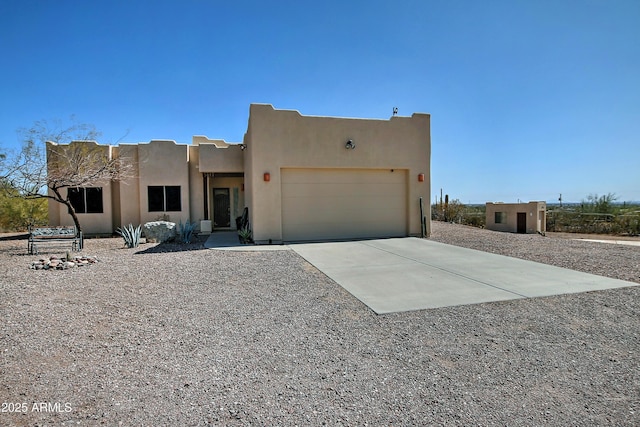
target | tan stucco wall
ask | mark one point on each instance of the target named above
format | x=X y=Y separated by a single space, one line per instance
x=126 y=197
x=274 y=140
x=535 y=211
x=163 y=163
x=279 y=139
x=218 y=156
x=91 y=223
x=155 y=163
x=196 y=186
x=158 y=163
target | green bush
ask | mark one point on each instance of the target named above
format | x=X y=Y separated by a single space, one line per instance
x=459 y=213
x=17 y=214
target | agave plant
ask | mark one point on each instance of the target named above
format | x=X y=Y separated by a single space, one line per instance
x=187 y=231
x=245 y=234
x=131 y=235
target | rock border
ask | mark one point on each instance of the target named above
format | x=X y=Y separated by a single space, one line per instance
x=56 y=263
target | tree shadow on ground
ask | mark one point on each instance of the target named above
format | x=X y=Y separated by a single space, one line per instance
x=175 y=246
x=14 y=236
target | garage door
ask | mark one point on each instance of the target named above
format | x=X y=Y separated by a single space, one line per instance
x=321 y=204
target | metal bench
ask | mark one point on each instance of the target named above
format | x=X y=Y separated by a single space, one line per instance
x=54 y=236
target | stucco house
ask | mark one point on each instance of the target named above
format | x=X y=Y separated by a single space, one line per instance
x=300 y=178
x=517 y=217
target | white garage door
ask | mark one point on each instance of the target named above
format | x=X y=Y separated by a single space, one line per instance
x=320 y=204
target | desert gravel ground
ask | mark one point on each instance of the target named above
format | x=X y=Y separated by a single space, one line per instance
x=179 y=335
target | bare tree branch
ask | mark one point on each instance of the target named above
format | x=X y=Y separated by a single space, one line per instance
x=54 y=158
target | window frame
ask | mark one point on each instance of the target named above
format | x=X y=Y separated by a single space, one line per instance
x=86 y=200
x=164 y=198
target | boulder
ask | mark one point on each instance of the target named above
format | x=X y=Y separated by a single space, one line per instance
x=160 y=231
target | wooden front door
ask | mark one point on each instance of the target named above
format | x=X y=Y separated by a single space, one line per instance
x=522 y=222
x=221 y=208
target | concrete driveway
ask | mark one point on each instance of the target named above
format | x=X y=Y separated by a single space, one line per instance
x=393 y=275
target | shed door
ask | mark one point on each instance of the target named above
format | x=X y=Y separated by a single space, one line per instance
x=522 y=222
x=323 y=204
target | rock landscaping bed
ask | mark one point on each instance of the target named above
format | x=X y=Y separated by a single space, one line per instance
x=177 y=335
x=55 y=263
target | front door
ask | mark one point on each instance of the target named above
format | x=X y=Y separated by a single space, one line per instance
x=221 y=208
x=522 y=222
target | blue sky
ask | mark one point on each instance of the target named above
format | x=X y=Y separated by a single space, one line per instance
x=528 y=98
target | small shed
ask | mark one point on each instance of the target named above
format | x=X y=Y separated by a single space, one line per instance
x=517 y=217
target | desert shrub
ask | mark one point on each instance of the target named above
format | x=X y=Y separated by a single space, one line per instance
x=626 y=224
x=459 y=213
x=131 y=235
x=17 y=214
x=245 y=234
x=187 y=231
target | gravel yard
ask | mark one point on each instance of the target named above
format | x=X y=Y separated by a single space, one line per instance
x=172 y=335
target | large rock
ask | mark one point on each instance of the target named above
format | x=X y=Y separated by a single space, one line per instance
x=160 y=231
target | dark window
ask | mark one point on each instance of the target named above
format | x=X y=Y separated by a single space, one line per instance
x=500 y=218
x=156 y=198
x=93 y=199
x=76 y=197
x=86 y=200
x=172 y=198
x=164 y=198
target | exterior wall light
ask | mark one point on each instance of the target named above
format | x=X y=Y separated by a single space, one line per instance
x=421 y=177
x=267 y=177
x=350 y=145
x=243 y=147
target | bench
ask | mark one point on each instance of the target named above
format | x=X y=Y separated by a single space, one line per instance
x=54 y=236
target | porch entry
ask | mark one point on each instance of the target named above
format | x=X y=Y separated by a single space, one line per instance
x=221 y=208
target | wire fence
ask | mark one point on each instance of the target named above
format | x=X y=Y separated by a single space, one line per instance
x=586 y=222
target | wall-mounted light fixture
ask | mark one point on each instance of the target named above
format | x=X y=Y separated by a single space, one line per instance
x=350 y=145
x=243 y=147
x=421 y=177
x=267 y=177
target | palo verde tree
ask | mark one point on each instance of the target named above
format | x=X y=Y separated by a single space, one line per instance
x=17 y=214
x=599 y=204
x=50 y=163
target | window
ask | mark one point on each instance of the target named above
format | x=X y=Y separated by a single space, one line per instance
x=500 y=218
x=86 y=199
x=164 y=198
